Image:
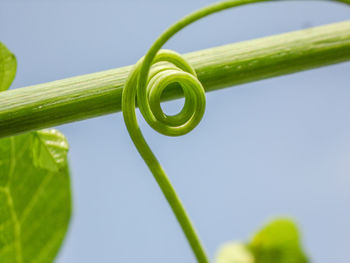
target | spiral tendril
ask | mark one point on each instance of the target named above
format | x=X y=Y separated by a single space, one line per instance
x=168 y=67
x=151 y=75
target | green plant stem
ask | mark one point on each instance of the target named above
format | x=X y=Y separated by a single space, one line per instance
x=82 y=97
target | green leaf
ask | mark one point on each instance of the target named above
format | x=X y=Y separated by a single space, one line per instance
x=50 y=149
x=278 y=242
x=234 y=252
x=8 y=65
x=35 y=199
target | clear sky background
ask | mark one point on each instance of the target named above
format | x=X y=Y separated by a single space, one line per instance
x=275 y=147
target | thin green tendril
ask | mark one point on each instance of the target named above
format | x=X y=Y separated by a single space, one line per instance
x=148 y=79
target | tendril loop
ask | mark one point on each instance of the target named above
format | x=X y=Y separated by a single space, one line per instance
x=168 y=67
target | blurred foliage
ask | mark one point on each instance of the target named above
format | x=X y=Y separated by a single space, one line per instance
x=35 y=196
x=8 y=66
x=277 y=242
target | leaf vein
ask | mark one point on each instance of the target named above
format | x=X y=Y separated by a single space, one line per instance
x=17 y=227
x=35 y=197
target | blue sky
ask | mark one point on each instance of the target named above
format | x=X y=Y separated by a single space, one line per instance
x=274 y=147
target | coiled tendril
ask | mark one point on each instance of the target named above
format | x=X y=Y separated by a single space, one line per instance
x=169 y=67
x=146 y=82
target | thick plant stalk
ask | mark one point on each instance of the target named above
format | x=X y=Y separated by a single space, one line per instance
x=87 y=96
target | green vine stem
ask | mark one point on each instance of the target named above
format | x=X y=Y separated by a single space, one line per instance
x=87 y=96
x=146 y=83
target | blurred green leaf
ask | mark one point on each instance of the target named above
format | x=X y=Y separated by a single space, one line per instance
x=8 y=65
x=50 y=149
x=35 y=199
x=234 y=252
x=278 y=242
